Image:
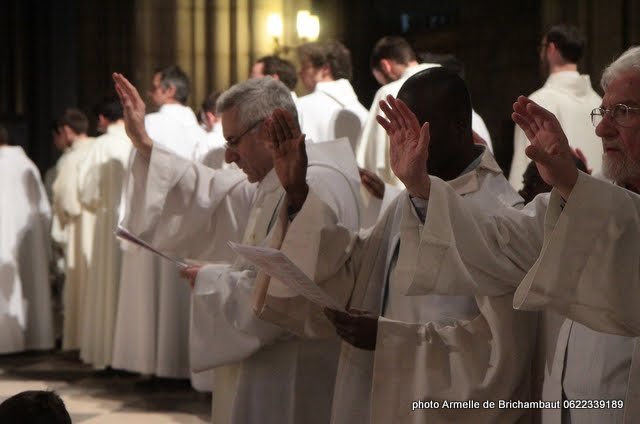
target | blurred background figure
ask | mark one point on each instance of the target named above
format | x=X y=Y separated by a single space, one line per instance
x=210 y=150
x=25 y=295
x=392 y=62
x=567 y=94
x=332 y=109
x=280 y=69
x=152 y=323
x=101 y=180
x=75 y=220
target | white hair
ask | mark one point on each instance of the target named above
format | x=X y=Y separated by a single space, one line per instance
x=256 y=99
x=629 y=60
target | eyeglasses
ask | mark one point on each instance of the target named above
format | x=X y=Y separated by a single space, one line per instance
x=232 y=142
x=620 y=114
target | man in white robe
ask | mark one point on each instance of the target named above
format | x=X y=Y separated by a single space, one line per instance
x=174 y=125
x=567 y=94
x=182 y=207
x=210 y=150
x=58 y=237
x=393 y=61
x=26 y=320
x=152 y=326
x=332 y=109
x=77 y=221
x=577 y=279
x=101 y=180
x=484 y=346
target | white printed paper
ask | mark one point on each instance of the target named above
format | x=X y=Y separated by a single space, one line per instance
x=123 y=234
x=277 y=265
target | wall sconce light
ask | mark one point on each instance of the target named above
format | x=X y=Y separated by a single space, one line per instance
x=274 y=26
x=307 y=29
x=307 y=26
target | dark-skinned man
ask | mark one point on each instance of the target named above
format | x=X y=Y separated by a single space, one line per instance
x=573 y=255
x=472 y=347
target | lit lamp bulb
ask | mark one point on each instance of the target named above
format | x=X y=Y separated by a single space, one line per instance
x=307 y=25
x=313 y=28
x=274 y=26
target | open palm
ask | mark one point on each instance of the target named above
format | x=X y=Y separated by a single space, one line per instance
x=549 y=147
x=409 y=145
x=289 y=155
x=133 y=113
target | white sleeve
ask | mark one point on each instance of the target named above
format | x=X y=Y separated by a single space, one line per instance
x=488 y=252
x=224 y=328
x=171 y=202
x=589 y=268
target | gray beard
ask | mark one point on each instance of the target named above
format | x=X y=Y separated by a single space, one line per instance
x=620 y=171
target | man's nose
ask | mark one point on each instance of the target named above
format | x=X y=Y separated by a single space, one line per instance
x=606 y=127
x=230 y=156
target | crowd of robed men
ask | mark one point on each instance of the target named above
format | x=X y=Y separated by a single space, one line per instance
x=456 y=293
x=443 y=312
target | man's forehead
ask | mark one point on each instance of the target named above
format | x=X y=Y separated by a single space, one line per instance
x=229 y=120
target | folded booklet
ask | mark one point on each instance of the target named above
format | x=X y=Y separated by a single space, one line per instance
x=124 y=234
x=277 y=265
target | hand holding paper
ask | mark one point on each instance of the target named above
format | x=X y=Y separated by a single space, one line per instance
x=274 y=263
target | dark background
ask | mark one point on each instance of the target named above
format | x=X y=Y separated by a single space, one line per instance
x=59 y=53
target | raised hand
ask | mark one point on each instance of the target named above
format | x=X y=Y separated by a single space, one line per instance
x=289 y=156
x=358 y=328
x=549 y=147
x=373 y=183
x=134 y=111
x=409 y=148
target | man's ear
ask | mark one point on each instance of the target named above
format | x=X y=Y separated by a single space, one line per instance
x=325 y=71
x=211 y=118
x=551 y=46
x=385 y=66
x=171 y=91
x=553 y=52
x=68 y=134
